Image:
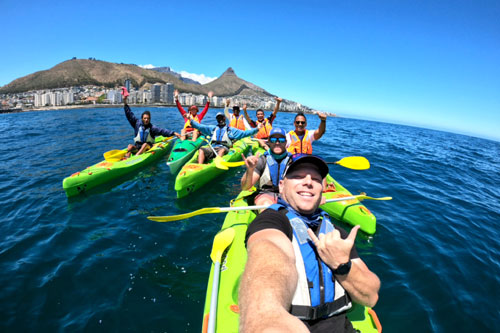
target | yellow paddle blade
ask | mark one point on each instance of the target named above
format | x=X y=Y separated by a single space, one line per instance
x=363 y=197
x=354 y=162
x=209 y=210
x=219 y=163
x=114 y=155
x=232 y=164
x=221 y=241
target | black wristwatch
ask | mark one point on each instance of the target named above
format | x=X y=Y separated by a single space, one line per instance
x=343 y=269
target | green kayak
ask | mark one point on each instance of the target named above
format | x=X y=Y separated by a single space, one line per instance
x=194 y=175
x=233 y=261
x=349 y=211
x=106 y=171
x=181 y=152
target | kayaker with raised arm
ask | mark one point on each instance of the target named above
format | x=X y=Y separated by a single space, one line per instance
x=144 y=131
x=302 y=271
x=266 y=171
x=221 y=137
x=267 y=123
x=236 y=120
x=188 y=130
x=300 y=140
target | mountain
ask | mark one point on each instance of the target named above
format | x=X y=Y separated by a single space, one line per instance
x=80 y=72
x=169 y=70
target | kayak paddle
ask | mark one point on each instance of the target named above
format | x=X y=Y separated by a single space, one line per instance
x=116 y=155
x=221 y=241
x=218 y=160
x=213 y=210
x=353 y=162
x=350 y=162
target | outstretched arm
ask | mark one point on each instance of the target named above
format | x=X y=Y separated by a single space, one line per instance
x=226 y=110
x=179 y=106
x=322 y=126
x=361 y=284
x=268 y=284
x=277 y=107
x=205 y=110
x=247 y=117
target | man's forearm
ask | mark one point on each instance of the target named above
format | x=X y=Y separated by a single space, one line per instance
x=361 y=284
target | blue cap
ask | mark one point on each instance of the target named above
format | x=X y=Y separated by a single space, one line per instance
x=219 y=114
x=277 y=131
x=298 y=159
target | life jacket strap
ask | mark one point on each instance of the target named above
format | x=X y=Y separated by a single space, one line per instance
x=321 y=311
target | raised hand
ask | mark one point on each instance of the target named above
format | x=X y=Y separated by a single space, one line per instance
x=251 y=161
x=278 y=99
x=322 y=116
x=244 y=107
x=210 y=94
x=176 y=94
x=228 y=101
x=332 y=249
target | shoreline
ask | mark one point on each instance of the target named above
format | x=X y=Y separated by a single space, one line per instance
x=110 y=106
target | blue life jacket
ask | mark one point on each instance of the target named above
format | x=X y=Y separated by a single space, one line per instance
x=273 y=173
x=318 y=293
x=220 y=137
x=144 y=135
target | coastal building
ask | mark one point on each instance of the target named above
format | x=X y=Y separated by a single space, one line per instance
x=156 y=93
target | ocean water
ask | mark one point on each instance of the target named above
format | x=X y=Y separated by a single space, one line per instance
x=97 y=264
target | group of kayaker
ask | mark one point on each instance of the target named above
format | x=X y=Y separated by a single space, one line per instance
x=302 y=271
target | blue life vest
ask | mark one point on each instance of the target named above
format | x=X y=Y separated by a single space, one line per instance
x=220 y=137
x=318 y=293
x=144 y=135
x=273 y=172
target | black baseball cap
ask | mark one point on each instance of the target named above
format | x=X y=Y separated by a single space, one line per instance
x=298 y=159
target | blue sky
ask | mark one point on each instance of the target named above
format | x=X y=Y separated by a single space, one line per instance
x=426 y=63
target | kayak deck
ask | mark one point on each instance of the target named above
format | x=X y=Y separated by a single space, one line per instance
x=181 y=152
x=193 y=175
x=106 y=171
x=233 y=264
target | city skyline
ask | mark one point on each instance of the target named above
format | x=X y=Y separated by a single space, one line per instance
x=425 y=64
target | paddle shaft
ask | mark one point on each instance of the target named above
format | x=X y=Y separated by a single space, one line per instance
x=213 y=299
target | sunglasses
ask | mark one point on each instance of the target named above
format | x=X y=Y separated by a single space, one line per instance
x=300 y=122
x=280 y=140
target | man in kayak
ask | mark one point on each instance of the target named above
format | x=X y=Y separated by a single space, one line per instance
x=266 y=171
x=193 y=110
x=302 y=272
x=300 y=140
x=267 y=123
x=222 y=137
x=144 y=131
x=236 y=120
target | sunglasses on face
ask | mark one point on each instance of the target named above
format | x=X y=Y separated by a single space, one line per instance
x=298 y=122
x=280 y=140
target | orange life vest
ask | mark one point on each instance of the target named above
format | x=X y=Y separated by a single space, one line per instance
x=237 y=122
x=263 y=133
x=298 y=146
x=187 y=124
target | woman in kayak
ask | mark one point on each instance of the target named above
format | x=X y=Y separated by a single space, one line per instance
x=267 y=123
x=144 y=131
x=193 y=110
x=266 y=171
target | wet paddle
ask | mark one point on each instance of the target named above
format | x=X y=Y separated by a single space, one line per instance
x=353 y=162
x=221 y=241
x=116 y=155
x=214 y=210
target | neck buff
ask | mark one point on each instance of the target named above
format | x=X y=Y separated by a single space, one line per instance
x=278 y=157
